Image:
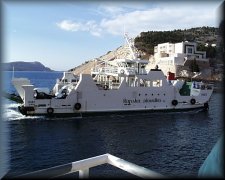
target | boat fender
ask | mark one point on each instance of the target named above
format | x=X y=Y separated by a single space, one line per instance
x=50 y=110
x=105 y=87
x=174 y=102
x=77 y=106
x=192 y=101
x=122 y=71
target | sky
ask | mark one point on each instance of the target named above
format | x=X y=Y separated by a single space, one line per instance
x=64 y=34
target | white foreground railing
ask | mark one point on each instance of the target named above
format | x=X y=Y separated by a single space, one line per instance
x=83 y=167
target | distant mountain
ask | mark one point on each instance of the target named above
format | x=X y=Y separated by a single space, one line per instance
x=25 y=66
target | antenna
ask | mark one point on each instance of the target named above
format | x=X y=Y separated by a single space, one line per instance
x=124 y=35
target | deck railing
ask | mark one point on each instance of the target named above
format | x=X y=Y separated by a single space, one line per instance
x=83 y=167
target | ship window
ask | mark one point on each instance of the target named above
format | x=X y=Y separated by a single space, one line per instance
x=145 y=83
x=157 y=83
x=148 y=83
x=129 y=65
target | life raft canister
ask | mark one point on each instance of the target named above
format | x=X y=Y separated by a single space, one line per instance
x=174 y=102
x=50 y=110
x=77 y=106
x=193 y=101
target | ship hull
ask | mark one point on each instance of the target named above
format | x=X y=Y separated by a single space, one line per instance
x=26 y=111
x=86 y=98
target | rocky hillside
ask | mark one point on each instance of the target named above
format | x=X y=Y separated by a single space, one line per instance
x=120 y=52
x=201 y=35
x=25 y=66
x=148 y=40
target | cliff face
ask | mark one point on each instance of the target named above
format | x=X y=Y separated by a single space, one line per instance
x=25 y=66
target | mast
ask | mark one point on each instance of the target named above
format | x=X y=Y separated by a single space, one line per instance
x=130 y=45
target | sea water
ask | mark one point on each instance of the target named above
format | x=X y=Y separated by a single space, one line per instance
x=170 y=143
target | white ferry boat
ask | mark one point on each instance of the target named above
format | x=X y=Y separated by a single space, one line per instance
x=119 y=85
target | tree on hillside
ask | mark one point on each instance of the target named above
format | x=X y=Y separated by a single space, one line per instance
x=147 y=40
x=210 y=50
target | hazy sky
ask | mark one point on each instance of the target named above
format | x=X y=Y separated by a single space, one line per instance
x=64 y=34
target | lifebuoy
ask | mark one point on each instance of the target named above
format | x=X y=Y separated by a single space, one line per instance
x=50 y=110
x=122 y=71
x=77 y=106
x=192 y=101
x=174 y=102
x=105 y=87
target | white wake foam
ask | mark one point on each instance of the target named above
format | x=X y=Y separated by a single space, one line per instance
x=11 y=113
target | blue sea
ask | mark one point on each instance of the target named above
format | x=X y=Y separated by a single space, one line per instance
x=174 y=144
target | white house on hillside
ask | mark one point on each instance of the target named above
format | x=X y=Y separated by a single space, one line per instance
x=177 y=57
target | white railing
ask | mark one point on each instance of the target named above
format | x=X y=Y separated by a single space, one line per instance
x=83 y=167
x=112 y=70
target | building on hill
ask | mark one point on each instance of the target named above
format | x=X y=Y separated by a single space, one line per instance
x=180 y=57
